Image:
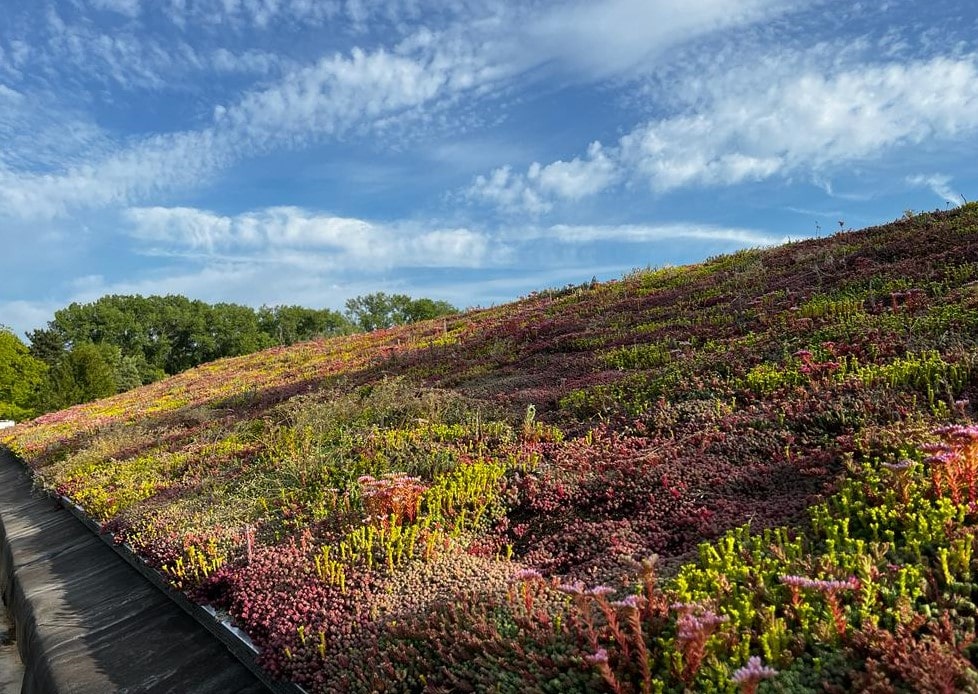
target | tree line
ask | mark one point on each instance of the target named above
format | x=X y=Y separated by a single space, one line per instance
x=118 y=342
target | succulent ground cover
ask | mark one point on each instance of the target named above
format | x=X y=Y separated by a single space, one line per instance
x=758 y=473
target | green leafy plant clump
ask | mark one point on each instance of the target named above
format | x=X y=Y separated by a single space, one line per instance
x=754 y=474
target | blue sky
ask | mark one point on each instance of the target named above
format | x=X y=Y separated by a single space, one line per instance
x=304 y=151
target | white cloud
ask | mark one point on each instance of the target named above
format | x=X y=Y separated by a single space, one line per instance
x=181 y=226
x=74 y=51
x=646 y=233
x=155 y=164
x=757 y=123
x=294 y=255
x=807 y=122
x=326 y=99
x=125 y=58
x=129 y=8
x=535 y=190
x=939 y=184
x=293 y=236
x=358 y=15
x=577 y=178
x=255 y=62
x=339 y=92
x=600 y=39
x=509 y=191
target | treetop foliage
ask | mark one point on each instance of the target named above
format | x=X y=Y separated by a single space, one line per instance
x=21 y=377
x=380 y=310
x=169 y=334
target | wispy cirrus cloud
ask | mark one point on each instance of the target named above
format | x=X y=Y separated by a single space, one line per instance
x=294 y=235
x=39 y=134
x=300 y=237
x=940 y=184
x=81 y=52
x=152 y=166
x=597 y=40
x=647 y=233
x=259 y=14
x=326 y=99
x=354 y=17
x=129 y=8
x=128 y=57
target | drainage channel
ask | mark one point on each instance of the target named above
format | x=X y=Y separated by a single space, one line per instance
x=11 y=669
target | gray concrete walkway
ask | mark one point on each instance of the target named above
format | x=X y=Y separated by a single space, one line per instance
x=86 y=621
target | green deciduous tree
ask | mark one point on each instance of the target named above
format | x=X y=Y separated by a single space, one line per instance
x=158 y=334
x=380 y=310
x=21 y=378
x=426 y=309
x=85 y=373
x=290 y=324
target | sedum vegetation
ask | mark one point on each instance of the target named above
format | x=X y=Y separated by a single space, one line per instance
x=754 y=474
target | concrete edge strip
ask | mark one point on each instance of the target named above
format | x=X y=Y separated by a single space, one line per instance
x=232 y=638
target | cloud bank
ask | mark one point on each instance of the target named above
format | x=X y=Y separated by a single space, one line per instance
x=790 y=124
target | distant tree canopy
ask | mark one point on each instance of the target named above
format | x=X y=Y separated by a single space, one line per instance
x=160 y=335
x=380 y=310
x=119 y=342
x=22 y=377
x=290 y=324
